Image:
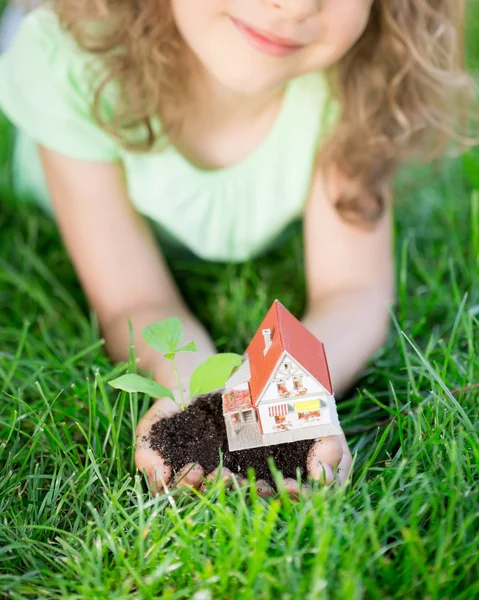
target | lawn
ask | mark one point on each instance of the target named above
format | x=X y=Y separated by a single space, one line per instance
x=76 y=521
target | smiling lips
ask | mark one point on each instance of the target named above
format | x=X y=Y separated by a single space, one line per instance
x=266 y=42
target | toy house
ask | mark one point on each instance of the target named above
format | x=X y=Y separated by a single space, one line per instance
x=281 y=392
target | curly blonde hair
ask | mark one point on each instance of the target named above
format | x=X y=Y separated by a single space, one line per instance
x=402 y=89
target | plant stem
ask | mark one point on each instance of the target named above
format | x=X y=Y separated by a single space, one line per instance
x=178 y=381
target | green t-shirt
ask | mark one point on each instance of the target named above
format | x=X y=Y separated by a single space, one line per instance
x=228 y=214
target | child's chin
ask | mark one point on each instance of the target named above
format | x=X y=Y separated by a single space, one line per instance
x=248 y=81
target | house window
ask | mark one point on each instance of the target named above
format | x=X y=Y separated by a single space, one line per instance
x=309 y=406
x=298 y=382
x=278 y=410
x=282 y=389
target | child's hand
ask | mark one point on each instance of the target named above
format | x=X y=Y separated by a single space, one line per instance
x=148 y=460
x=325 y=455
x=328 y=456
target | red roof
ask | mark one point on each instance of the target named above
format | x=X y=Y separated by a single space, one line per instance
x=287 y=334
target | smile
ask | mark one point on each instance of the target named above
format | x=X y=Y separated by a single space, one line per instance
x=266 y=42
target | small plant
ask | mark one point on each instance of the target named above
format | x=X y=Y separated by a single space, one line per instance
x=165 y=337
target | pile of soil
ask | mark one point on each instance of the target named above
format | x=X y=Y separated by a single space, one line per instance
x=199 y=433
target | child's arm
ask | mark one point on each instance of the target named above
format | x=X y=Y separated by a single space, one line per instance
x=118 y=261
x=350 y=284
x=123 y=274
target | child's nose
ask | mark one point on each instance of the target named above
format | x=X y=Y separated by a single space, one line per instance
x=300 y=10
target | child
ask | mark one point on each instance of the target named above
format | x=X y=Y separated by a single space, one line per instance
x=222 y=121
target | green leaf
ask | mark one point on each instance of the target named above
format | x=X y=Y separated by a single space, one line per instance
x=165 y=335
x=189 y=347
x=136 y=383
x=213 y=373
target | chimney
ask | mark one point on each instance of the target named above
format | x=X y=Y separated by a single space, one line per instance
x=267 y=340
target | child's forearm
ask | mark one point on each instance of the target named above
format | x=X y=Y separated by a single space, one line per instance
x=352 y=327
x=117 y=339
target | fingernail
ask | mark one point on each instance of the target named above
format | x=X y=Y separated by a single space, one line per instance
x=325 y=473
x=194 y=475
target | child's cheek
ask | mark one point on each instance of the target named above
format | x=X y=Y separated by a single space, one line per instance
x=343 y=23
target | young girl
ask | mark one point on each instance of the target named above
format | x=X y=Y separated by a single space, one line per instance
x=218 y=122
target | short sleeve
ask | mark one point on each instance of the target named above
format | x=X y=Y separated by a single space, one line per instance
x=43 y=90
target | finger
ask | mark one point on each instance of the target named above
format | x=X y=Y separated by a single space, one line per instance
x=160 y=477
x=306 y=491
x=146 y=459
x=323 y=473
x=294 y=490
x=264 y=489
x=150 y=462
x=190 y=475
x=324 y=456
x=291 y=486
x=344 y=467
x=242 y=481
x=226 y=475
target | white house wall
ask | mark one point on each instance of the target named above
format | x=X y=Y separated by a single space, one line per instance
x=241 y=387
x=292 y=421
x=271 y=397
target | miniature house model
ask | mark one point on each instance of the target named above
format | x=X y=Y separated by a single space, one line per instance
x=282 y=390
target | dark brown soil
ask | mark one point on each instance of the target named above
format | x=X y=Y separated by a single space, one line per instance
x=198 y=434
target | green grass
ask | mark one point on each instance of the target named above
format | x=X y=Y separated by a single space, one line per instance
x=77 y=522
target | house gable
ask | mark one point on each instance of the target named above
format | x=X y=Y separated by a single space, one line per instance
x=270 y=392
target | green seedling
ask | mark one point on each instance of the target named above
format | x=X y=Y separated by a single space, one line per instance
x=165 y=337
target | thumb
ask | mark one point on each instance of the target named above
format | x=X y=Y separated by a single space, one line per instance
x=147 y=460
x=323 y=458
